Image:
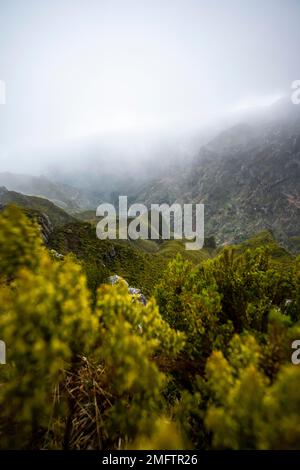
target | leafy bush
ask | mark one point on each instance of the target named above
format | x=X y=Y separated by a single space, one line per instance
x=49 y=327
x=245 y=410
x=205 y=364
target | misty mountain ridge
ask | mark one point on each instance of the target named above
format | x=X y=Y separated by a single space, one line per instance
x=248 y=177
x=63 y=195
x=55 y=214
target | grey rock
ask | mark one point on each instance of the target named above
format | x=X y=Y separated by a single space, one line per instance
x=133 y=291
x=115 y=279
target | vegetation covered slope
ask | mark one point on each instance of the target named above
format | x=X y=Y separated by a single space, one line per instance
x=140 y=262
x=56 y=215
x=205 y=364
x=63 y=195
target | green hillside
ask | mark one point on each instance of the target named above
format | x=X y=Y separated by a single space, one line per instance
x=140 y=262
x=57 y=216
x=206 y=362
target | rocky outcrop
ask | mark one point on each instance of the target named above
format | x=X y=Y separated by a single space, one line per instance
x=41 y=218
x=56 y=255
x=45 y=226
x=133 y=291
x=138 y=295
x=248 y=178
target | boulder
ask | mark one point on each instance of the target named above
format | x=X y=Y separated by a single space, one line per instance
x=133 y=291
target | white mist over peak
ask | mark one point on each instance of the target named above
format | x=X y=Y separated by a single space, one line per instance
x=77 y=69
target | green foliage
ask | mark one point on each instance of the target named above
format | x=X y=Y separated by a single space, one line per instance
x=245 y=410
x=20 y=244
x=101 y=258
x=165 y=436
x=205 y=364
x=130 y=335
x=217 y=304
x=47 y=322
x=265 y=239
x=189 y=301
x=140 y=262
x=250 y=285
x=292 y=304
x=115 y=307
x=279 y=427
x=231 y=289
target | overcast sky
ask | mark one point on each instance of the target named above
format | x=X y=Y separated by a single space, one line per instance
x=75 y=68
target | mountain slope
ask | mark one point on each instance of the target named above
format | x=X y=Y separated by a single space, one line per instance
x=248 y=178
x=140 y=262
x=63 y=195
x=57 y=216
